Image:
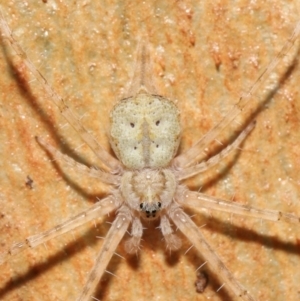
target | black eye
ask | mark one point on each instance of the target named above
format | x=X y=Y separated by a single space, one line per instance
x=159 y=204
x=157 y=122
x=141 y=205
x=132 y=124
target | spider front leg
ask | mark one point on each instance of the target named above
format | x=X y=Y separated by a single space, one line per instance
x=200 y=200
x=99 y=209
x=191 y=231
x=112 y=240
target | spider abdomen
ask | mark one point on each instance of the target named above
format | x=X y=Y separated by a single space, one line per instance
x=145 y=131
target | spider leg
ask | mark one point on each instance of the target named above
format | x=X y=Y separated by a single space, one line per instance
x=112 y=240
x=188 y=172
x=191 y=231
x=105 y=158
x=80 y=168
x=142 y=79
x=190 y=156
x=199 y=200
x=97 y=210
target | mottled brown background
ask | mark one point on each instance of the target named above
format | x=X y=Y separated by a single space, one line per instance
x=205 y=56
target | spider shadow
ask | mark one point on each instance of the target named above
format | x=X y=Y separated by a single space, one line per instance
x=75 y=183
x=240 y=233
x=45 y=118
x=236 y=233
x=69 y=250
x=230 y=139
x=153 y=242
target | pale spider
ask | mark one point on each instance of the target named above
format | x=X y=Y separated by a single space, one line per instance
x=147 y=178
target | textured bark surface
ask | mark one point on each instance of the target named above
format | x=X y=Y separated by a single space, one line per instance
x=205 y=56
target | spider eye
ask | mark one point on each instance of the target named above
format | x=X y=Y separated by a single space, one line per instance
x=150 y=210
